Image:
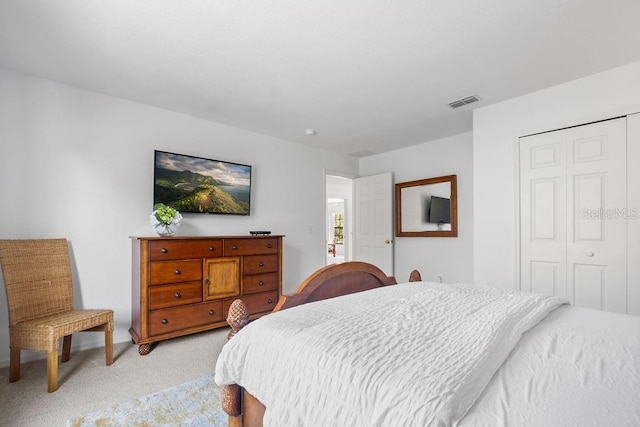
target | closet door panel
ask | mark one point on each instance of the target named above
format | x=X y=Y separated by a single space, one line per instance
x=543 y=233
x=596 y=200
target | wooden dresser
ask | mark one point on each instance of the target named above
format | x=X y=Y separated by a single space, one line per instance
x=183 y=285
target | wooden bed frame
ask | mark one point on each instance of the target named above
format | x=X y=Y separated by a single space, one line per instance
x=328 y=282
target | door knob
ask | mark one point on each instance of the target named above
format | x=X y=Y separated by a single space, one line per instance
x=387 y=241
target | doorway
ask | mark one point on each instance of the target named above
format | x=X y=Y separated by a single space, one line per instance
x=338 y=214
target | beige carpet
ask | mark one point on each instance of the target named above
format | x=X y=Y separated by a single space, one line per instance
x=87 y=385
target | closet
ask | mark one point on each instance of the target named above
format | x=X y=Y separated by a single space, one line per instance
x=575 y=214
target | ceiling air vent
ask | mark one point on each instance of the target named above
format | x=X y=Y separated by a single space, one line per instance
x=464 y=101
x=362 y=153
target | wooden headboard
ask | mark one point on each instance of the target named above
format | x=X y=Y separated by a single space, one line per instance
x=335 y=280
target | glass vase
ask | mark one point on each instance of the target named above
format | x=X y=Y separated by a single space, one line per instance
x=166 y=230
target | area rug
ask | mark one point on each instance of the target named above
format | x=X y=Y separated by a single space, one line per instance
x=195 y=403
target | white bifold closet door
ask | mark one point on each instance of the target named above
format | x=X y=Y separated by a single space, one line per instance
x=573 y=208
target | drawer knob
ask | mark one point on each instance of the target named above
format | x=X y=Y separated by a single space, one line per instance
x=261 y=264
x=164 y=321
x=234 y=247
x=164 y=250
x=211 y=248
x=269 y=301
x=260 y=283
x=177 y=295
x=177 y=271
x=269 y=245
x=207 y=281
x=211 y=312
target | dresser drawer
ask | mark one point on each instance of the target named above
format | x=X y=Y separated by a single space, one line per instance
x=256 y=264
x=174 y=295
x=174 y=271
x=177 y=318
x=250 y=246
x=259 y=283
x=163 y=250
x=256 y=303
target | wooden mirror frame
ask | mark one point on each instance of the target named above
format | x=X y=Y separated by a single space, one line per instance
x=453 y=210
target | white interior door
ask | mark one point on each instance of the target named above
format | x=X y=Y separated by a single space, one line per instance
x=573 y=227
x=373 y=226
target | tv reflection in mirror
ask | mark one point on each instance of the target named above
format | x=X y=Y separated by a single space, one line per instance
x=198 y=185
x=440 y=210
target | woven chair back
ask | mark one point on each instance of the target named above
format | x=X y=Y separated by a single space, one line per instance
x=37 y=278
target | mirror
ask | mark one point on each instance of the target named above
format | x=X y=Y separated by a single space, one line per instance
x=427 y=207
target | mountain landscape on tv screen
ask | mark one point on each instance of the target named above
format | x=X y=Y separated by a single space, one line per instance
x=187 y=191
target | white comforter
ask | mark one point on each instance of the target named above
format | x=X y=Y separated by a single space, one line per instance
x=412 y=354
x=577 y=367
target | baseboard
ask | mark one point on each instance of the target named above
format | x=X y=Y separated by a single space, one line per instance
x=28 y=355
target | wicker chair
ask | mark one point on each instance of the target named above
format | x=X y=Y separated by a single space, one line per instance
x=37 y=280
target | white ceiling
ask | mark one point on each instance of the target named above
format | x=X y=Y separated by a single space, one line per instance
x=368 y=75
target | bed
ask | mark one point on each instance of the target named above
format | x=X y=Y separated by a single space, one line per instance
x=353 y=347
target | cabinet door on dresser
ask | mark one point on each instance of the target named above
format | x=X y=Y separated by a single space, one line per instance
x=222 y=278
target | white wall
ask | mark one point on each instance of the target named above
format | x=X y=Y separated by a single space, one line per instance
x=448 y=257
x=79 y=165
x=495 y=137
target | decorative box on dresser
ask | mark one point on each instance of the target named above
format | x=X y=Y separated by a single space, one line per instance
x=183 y=285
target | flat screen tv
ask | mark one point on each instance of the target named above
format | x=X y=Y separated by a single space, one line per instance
x=440 y=210
x=198 y=185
